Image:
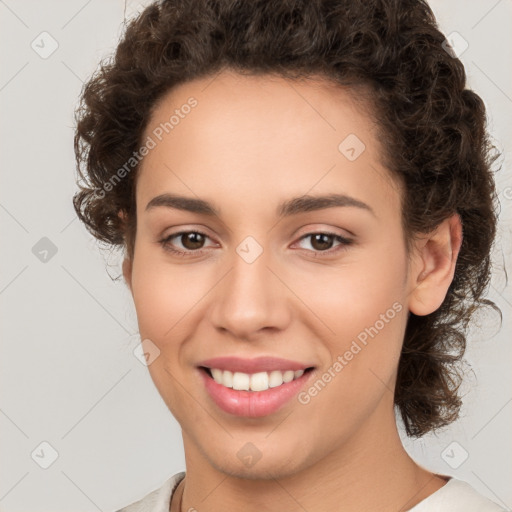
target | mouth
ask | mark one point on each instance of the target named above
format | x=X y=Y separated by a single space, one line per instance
x=254 y=382
x=253 y=395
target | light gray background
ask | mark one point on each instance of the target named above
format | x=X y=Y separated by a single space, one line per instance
x=68 y=373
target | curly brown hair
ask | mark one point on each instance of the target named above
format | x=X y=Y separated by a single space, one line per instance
x=391 y=52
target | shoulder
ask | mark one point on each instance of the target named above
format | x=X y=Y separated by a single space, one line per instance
x=157 y=500
x=457 y=496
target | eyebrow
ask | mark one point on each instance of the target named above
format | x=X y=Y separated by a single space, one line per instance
x=294 y=206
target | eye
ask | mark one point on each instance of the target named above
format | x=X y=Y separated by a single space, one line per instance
x=322 y=242
x=191 y=241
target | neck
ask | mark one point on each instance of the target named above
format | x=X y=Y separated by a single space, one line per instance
x=371 y=470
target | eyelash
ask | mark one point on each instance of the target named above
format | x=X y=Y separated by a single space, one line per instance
x=165 y=243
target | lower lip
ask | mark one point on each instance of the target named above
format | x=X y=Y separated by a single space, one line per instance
x=252 y=404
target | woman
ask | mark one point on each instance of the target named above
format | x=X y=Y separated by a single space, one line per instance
x=304 y=193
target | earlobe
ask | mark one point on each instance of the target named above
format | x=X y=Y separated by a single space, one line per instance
x=434 y=266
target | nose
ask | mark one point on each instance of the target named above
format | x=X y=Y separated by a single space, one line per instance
x=251 y=299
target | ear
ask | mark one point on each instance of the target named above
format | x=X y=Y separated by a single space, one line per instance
x=433 y=266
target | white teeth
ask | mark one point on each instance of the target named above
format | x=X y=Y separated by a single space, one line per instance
x=241 y=381
x=260 y=381
x=227 y=378
x=217 y=375
x=276 y=379
x=288 y=376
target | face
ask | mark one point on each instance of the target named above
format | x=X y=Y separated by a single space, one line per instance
x=261 y=274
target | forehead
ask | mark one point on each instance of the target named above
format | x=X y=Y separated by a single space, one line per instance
x=259 y=136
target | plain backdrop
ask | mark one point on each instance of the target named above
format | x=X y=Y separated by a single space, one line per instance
x=74 y=397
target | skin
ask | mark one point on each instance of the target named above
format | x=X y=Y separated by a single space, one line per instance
x=250 y=143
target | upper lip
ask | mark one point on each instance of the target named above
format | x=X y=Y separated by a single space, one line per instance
x=255 y=365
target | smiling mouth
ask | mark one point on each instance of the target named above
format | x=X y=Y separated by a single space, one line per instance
x=260 y=381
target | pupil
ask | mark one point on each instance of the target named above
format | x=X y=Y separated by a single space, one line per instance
x=324 y=241
x=192 y=240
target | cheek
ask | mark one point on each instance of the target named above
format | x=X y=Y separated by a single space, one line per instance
x=363 y=306
x=365 y=310
x=164 y=295
x=354 y=296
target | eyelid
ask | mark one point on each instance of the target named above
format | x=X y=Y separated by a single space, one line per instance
x=323 y=228
x=164 y=241
x=344 y=242
x=184 y=231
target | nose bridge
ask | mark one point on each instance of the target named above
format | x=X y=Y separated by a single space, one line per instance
x=249 y=298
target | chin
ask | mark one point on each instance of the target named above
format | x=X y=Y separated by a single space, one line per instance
x=249 y=463
x=262 y=470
